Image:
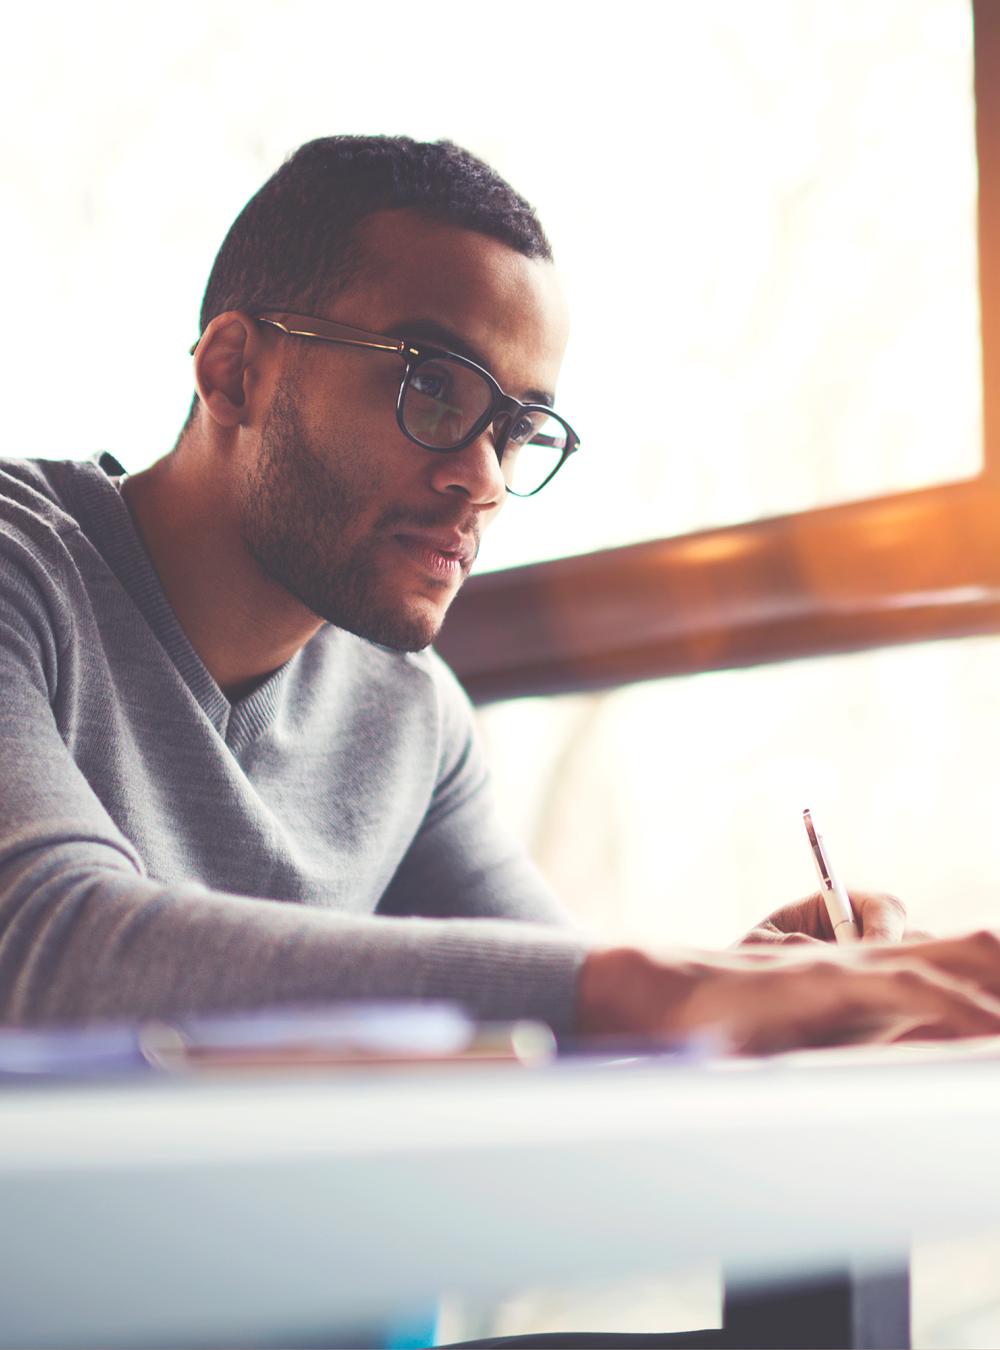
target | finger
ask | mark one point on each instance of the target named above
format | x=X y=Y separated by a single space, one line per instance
x=918 y=1031
x=829 y=1003
x=882 y=918
x=765 y=933
x=949 y=1007
x=764 y=936
x=973 y=958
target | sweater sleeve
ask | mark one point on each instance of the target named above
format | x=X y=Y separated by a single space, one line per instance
x=85 y=933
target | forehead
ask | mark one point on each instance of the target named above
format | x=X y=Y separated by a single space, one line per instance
x=508 y=307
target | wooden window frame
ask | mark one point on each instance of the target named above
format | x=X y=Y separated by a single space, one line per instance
x=908 y=567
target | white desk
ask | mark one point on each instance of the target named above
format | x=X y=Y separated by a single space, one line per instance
x=242 y=1211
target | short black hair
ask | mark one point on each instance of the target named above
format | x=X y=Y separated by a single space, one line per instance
x=294 y=243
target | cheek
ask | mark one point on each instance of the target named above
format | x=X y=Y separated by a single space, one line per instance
x=367 y=388
x=362 y=435
x=356 y=444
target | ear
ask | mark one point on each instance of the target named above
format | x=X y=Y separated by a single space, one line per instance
x=222 y=366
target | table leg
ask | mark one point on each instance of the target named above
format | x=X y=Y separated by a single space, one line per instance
x=851 y=1307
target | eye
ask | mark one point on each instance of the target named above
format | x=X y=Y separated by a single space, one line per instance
x=431 y=381
x=523 y=429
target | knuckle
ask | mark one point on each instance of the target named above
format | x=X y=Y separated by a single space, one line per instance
x=987 y=941
x=825 y=971
x=911 y=979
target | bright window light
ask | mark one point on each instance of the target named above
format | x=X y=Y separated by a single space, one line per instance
x=765 y=216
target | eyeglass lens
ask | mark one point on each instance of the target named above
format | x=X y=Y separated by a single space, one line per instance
x=443 y=401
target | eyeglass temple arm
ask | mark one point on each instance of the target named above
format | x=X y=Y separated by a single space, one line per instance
x=553 y=442
x=360 y=340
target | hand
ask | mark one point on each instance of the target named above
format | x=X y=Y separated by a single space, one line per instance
x=973 y=958
x=794 y=999
x=880 y=918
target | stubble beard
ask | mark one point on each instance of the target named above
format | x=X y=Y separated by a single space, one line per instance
x=297 y=506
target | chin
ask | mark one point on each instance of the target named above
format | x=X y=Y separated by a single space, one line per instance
x=403 y=630
x=406 y=622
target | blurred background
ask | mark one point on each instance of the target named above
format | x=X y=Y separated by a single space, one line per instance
x=765 y=215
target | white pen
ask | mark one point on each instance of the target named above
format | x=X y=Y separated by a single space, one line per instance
x=838 y=906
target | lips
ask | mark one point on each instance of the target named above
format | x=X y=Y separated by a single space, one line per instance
x=451 y=546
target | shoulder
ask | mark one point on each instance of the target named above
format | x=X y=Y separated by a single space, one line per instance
x=429 y=678
x=421 y=677
x=40 y=536
x=410 y=695
x=37 y=496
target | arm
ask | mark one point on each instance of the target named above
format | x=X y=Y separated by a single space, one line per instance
x=755 y=1000
x=85 y=933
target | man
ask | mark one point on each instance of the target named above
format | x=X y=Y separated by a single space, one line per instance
x=232 y=774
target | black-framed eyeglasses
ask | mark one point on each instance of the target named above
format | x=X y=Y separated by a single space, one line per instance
x=445 y=401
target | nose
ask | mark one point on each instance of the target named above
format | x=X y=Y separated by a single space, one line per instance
x=474 y=471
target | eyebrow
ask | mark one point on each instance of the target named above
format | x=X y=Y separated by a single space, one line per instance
x=442 y=335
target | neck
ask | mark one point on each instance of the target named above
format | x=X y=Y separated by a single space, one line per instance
x=242 y=625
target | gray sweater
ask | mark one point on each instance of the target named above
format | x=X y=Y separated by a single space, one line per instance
x=332 y=835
